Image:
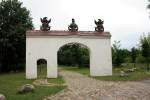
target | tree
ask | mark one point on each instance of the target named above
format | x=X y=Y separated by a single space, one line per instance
x=133 y=55
x=145 y=48
x=116 y=54
x=14 y=21
x=73 y=54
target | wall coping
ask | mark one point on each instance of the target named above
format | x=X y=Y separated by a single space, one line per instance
x=39 y=33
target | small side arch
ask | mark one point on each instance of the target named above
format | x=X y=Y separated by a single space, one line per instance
x=41 y=68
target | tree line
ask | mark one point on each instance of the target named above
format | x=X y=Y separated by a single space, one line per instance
x=15 y=20
x=140 y=54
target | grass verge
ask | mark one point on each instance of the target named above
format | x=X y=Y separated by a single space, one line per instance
x=139 y=74
x=9 y=84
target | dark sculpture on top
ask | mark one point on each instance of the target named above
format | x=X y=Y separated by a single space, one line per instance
x=45 y=24
x=73 y=27
x=99 y=25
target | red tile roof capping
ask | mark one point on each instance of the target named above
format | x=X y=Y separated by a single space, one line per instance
x=65 y=33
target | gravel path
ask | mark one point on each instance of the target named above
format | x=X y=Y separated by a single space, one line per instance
x=147 y=81
x=80 y=87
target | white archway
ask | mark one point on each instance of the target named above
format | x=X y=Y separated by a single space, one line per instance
x=45 y=45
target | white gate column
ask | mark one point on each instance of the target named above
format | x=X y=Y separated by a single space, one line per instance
x=101 y=61
x=52 y=65
x=31 y=68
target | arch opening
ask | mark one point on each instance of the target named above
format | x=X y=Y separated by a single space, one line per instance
x=74 y=55
x=41 y=68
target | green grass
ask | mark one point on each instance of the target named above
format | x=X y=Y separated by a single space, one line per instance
x=9 y=84
x=132 y=76
x=139 y=74
x=84 y=71
x=58 y=80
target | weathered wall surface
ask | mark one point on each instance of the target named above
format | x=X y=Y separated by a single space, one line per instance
x=46 y=47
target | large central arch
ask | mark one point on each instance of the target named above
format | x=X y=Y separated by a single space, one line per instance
x=79 y=45
x=45 y=45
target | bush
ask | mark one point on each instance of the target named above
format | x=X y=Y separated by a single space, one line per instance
x=140 y=59
x=73 y=54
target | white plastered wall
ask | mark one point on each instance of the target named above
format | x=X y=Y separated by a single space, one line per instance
x=46 y=47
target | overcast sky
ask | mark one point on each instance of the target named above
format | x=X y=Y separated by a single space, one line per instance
x=126 y=20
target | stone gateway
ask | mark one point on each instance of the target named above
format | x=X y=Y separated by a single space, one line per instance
x=45 y=45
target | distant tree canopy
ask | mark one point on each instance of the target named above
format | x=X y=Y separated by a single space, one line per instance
x=118 y=54
x=74 y=54
x=135 y=55
x=14 y=21
x=145 y=48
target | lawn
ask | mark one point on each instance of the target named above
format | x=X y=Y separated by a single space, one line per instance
x=10 y=82
x=139 y=74
x=84 y=71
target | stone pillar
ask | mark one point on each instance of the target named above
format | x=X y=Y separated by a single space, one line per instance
x=101 y=61
x=52 y=65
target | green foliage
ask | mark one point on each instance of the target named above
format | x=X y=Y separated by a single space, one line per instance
x=119 y=55
x=140 y=59
x=133 y=55
x=116 y=57
x=73 y=54
x=14 y=21
x=145 y=48
x=128 y=60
